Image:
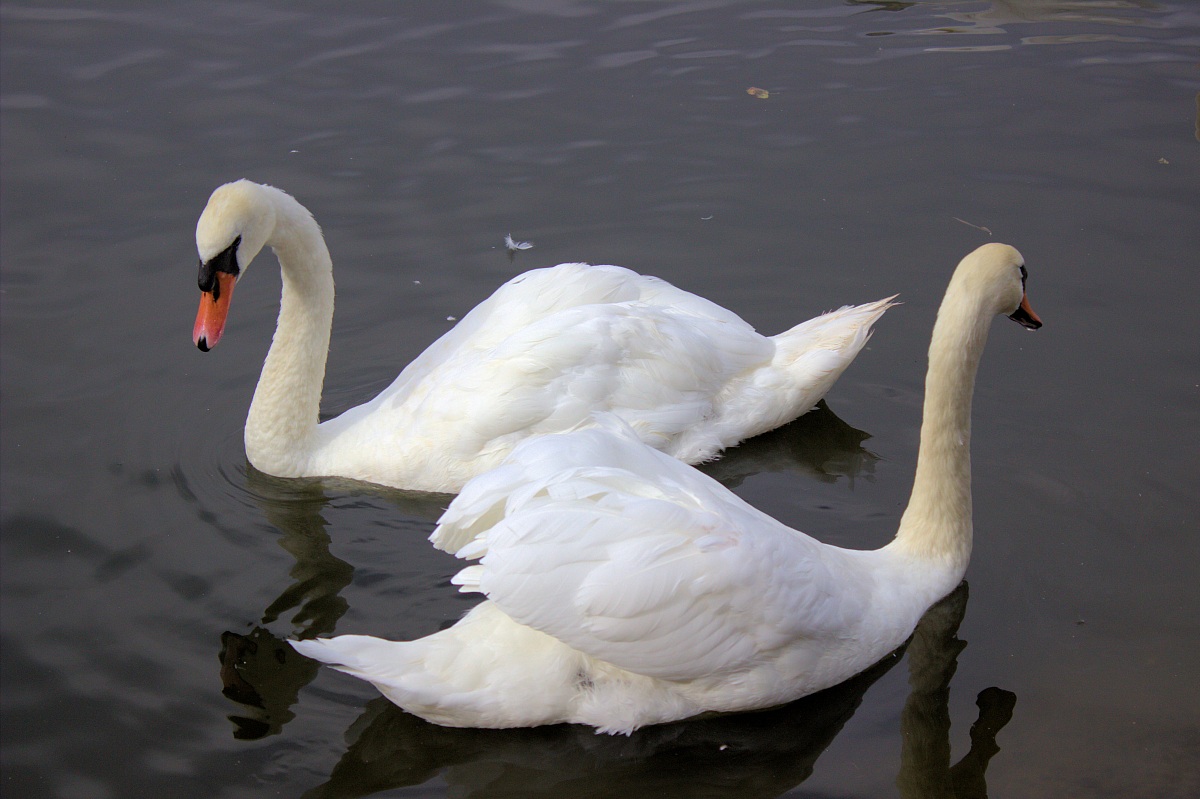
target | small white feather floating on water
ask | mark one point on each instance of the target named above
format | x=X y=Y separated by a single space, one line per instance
x=513 y=246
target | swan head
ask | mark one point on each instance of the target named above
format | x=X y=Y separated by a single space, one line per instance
x=236 y=224
x=997 y=272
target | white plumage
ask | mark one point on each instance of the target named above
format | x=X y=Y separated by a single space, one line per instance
x=544 y=353
x=626 y=588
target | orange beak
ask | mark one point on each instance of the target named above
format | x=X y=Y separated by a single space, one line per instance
x=214 y=307
x=1025 y=316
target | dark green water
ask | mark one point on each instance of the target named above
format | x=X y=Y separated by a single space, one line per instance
x=148 y=575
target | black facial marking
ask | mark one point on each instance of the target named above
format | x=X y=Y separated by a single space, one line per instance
x=224 y=261
x=1021 y=316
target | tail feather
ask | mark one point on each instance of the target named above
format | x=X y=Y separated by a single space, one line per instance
x=360 y=655
x=847 y=329
x=808 y=360
x=474 y=674
x=408 y=673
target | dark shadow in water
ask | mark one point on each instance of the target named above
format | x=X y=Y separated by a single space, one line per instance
x=264 y=676
x=881 y=5
x=818 y=445
x=260 y=672
x=925 y=770
x=743 y=755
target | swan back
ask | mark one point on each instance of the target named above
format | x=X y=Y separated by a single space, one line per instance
x=539 y=294
x=643 y=563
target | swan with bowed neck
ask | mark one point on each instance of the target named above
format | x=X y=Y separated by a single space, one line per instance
x=626 y=588
x=546 y=351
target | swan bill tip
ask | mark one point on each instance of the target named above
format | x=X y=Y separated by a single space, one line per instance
x=1027 y=322
x=1025 y=316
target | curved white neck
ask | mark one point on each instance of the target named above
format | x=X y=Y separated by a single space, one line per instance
x=937 y=523
x=282 y=423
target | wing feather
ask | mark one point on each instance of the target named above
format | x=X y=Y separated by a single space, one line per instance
x=640 y=560
x=553 y=346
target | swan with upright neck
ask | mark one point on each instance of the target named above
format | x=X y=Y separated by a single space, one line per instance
x=625 y=588
x=545 y=352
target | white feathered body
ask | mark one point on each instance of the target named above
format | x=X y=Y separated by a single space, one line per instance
x=546 y=351
x=626 y=589
x=554 y=346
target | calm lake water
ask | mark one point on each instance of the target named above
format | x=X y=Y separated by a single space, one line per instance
x=150 y=575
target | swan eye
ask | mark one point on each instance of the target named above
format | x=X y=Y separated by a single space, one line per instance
x=1024 y=276
x=224 y=261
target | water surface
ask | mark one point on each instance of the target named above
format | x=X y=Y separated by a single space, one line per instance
x=149 y=574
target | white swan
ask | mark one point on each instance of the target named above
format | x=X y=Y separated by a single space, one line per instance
x=541 y=355
x=626 y=588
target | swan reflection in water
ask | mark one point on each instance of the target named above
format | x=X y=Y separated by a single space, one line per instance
x=744 y=755
x=257 y=671
x=263 y=674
